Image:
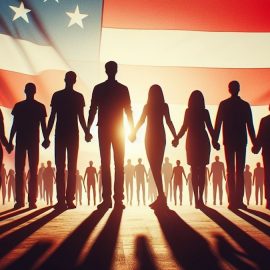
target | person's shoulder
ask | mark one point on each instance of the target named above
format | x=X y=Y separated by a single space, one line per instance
x=266 y=119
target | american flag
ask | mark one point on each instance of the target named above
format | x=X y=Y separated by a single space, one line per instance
x=180 y=44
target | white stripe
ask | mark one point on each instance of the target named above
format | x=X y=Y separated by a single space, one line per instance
x=186 y=48
x=28 y=58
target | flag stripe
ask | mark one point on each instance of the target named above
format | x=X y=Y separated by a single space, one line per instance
x=186 y=48
x=27 y=57
x=207 y=15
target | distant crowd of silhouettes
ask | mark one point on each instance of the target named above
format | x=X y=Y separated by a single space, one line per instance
x=174 y=179
x=111 y=99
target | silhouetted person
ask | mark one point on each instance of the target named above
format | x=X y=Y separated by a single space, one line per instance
x=248 y=182
x=177 y=176
x=207 y=180
x=258 y=179
x=111 y=99
x=236 y=117
x=3 y=140
x=155 y=138
x=190 y=187
x=28 y=116
x=141 y=176
x=152 y=189
x=11 y=184
x=4 y=186
x=99 y=184
x=263 y=142
x=92 y=178
x=218 y=173
x=167 y=169
x=79 y=180
x=197 y=142
x=49 y=178
x=129 y=171
x=40 y=181
x=67 y=105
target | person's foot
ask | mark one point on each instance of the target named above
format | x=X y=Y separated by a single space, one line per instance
x=160 y=202
x=71 y=205
x=200 y=204
x=220 y=203
x=214 y=203
x=18 y=205
x=231 y=206
x=119 y=205
x=105 y=205
x=32 y=206
x=242 y=206
x=60 y=206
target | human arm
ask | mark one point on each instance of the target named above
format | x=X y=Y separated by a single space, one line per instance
x=169 y=121
x=250 y=126
x=185 y=175
x=182 y=130
x=259 y=139
x=211 y=130
x=2 y=131
x=253 y=179
x=132 y=136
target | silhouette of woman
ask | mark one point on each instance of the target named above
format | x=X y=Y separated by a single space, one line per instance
x=155 y=138
x=197 y=142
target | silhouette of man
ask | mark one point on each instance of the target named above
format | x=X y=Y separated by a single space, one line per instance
x=167 y=170
x=49 y=178
x=263 y=142
x=129 y=171
x=218 y=172
x=248 y=182
x=140 y=172
x=111 y=98
x=28 y=116
x=236 y=117
x=258 y=179
x=40 y=180
x=79 y=180
x=4 y=187
x=67 y=105
x=11 y=184
x=190 y=187
x=92 y=178
x=177 y=176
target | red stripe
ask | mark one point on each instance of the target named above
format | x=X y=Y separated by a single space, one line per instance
x=177 y=83
x=12 y=86
x=207 y=15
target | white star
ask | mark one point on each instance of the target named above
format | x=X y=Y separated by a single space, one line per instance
x=76 y=17
x=55 y=1
x=20 y=12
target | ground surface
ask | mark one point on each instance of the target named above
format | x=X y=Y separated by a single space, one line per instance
x=137 y=238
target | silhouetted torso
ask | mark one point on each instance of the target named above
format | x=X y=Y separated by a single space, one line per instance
x=110 y=98
x=67 y=104
x=140 y=172
x=178 y=173
x=91 y=172
x=129 y=172
x=28 y=114
x=217 y=169
x=197 y=137
x=235 y=113
x=259 y=176
x=263 y=137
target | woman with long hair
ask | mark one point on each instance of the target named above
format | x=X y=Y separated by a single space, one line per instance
x=155 y=138
x=197 y=142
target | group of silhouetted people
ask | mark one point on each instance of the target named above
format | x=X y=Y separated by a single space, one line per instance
x=111 y=100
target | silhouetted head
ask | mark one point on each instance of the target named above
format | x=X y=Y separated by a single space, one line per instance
x=42 y=164
x=11 y=172
x=166 y=159
x=247 y=167
x=234 y=88
x=49 y=163
x=111 y=69
x=140 y=160
x=216 y=158
x=258 y=164
x=155 y=96
x=30 y=90
x=129 y=161
x=70 y=79
x=91 y=163
x=178 y=162
x=196 y=101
